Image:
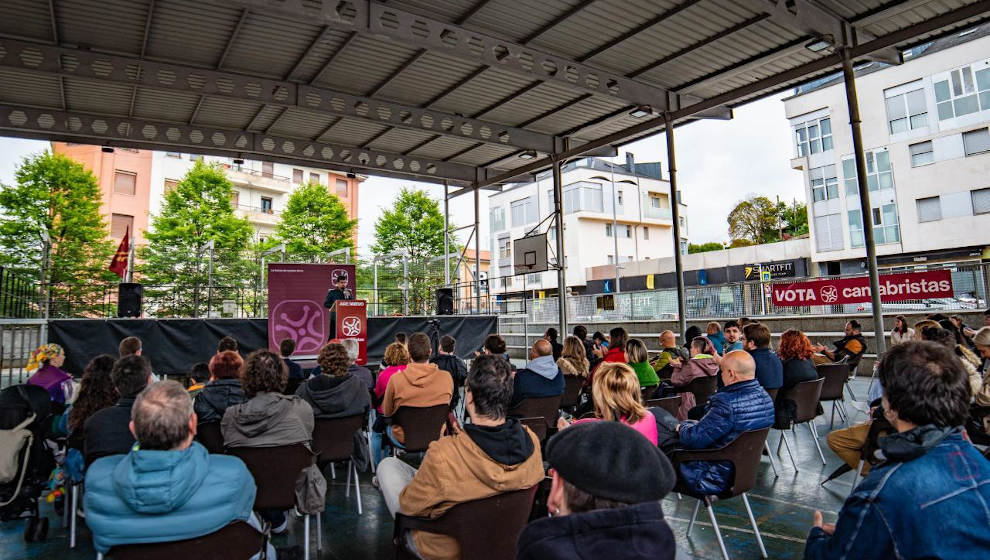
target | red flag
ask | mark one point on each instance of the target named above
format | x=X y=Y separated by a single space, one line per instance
x=118 y=265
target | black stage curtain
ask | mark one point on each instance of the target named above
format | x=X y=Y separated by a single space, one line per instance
x=174 y=345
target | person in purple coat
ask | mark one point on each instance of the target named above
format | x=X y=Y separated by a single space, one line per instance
x=48 y=359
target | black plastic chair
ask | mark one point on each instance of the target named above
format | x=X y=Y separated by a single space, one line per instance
x=806 y=395
x=702 y=388
x=237 y=541
x=573 y=384
x=744 y=453
x=547 y=408
x=209 y=436
x=670 y=404
x=420 y=425
x=485 y=529
x=291 y=386
x=835 y=376
x=333 y=441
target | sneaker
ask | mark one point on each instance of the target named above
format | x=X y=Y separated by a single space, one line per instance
x=374 y=482
x=281 y=528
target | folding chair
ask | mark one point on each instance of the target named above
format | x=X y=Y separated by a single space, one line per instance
x=237 y=541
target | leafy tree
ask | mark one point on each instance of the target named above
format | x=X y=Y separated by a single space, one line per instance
x=740 y=243
x=314 y=224
x=704 y=247
x=198 y=210
x=754 y=219
x=794 y=218
x=58 y=199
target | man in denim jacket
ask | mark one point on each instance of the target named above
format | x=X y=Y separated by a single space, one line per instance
x=931 y=496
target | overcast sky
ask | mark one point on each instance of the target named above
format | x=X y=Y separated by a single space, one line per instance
x=719 y=163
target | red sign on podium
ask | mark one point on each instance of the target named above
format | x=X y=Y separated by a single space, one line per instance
x=352 y=323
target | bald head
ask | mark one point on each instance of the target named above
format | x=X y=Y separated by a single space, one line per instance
x=738 y=366
x=542 y=348
x=667 y=339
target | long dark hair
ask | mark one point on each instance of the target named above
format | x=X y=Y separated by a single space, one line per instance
x=96 y=390
x=902 y=321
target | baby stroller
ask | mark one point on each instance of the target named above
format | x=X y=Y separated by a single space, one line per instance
x=25 y=461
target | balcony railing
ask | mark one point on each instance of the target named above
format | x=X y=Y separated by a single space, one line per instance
x=256 y=209
x=652 y=212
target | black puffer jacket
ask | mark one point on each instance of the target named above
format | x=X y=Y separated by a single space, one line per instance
x=335 y=396
x=458 y=372
x=216 y=396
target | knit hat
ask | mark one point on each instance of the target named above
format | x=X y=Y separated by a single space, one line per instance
x=611 y=460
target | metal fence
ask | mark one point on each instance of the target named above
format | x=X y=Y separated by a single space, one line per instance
x=19 y=295
x=18 y=338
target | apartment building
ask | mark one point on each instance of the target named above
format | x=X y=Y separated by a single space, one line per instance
x=927 y=143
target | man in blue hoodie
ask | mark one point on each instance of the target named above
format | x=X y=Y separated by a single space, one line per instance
x=168 y=488
x=541 y=378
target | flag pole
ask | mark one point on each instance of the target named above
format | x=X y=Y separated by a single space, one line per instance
x=130 y=258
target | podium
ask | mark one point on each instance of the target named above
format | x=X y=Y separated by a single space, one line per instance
x=352 y=323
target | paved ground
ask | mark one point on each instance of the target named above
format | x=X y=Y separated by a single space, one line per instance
x=782 y=506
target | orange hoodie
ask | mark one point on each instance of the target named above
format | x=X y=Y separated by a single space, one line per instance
x=418 y=385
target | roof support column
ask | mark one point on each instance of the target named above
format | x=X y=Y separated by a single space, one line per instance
x=477 y=251
x=852 y=101
x=558 y=211
x=675 y=213
x=446 y=234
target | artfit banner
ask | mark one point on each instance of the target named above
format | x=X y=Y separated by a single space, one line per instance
x=296 y=293
x=893 y=287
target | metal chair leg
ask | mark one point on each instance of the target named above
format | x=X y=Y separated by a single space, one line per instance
x=718 y=533
x=99 y=556
x=319 y=533
x=73 y=504
x=357 y=488
x=347 y=487
x=831 y=423
x=773 y=464
x=859 y=469
x=694 y=516
x=850 y=389
x=306 y=537
x=333 y=472
x=814 y=437
x=752 y=520
x=783 y=438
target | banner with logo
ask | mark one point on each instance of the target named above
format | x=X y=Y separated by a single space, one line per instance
x=296 y=293
x=893 y=287
x=352 y=323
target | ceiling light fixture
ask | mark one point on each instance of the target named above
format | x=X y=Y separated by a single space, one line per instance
x=819 y=45
x=641 y=111
x=528 y=154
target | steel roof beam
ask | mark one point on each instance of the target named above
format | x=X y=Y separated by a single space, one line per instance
x=77 y=63
x=100 y=129
x=367 y=17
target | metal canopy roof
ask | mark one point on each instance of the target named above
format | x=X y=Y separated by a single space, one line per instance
x=455 y=90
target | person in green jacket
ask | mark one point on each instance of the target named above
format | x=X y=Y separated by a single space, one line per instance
x=639 y=360
x=669 y=351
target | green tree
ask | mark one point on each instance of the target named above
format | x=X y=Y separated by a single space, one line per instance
x=414 y=228
x=314 y=224
x=194 y=213
x=754 y=219
x=704 y=247
x=794 y=218
x=56 y=198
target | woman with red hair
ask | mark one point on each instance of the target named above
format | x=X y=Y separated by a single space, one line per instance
x=223 y=390
x=795 y=352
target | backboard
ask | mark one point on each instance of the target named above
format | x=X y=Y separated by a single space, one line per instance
x=529 y=254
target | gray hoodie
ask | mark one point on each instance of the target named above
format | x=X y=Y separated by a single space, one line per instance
x=268 y=420
x=335 y=397
x=544 y=366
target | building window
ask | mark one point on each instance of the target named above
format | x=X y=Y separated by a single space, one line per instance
x=171 y=154
x=523 y=211
x=297 y=176
x=922 y=153
x=981 y=201
x=824 y=183
x=958 y=93
x=929 y=209
x=878 y=172
x=266 y=205
x=315 y=178
x=196 y=157
x=342 y=188
x=611 y=259
x=629 y=258
x=121 y=224
x=170 y=184
x=684 y=248
x=498 y=218
x=618 y=197
x=885 y=228
x=629 y=231
x=976 y=141
x=235 y=198
x=504 y=248
x=267 y=169
x=828 y=232
x=813 y=136
x=646 y=232
x=124 y=182
x=608 y=230
x=907 y=111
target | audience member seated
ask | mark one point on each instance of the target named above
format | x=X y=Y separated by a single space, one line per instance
x=268 y=418
x=769 y=370
x=929 y=498
x=690 y=334
x=47 y=362
x=495 y=345
x=616 y=346
x=491 y=455
x=581 y=333
x=849 y=348
x=96 y=392
x=922 y=325
x=668 y=351
x=400 y=338
x=227 y=344
x=106 y=431
x=574 y=358
x=353 y=348
x=901 y=331
x=795 y=353
x=335 y=393
x=740 y=406
x=224 y=389
x=397 y=356
x=732 y=334
x=715 y=335
x=540 y=378
x=604 y=498
x=616 y=398
x=551 y=336
x=285 y=349
x=702 y=363
x=448 y=361
x=980 y=411
x=168 y=488
x=639 y=360
x=969 y=361
x=132 y=346
x=420 y=384
x=197 y=378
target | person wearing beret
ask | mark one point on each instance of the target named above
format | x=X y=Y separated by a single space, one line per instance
x=604 y=499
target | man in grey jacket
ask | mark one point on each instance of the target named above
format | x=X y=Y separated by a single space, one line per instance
x=541 y=377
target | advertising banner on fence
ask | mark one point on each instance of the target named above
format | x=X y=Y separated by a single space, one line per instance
x=893 y=287
x=296 y=293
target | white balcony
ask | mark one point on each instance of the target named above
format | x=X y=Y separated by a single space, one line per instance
x=258 y=180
